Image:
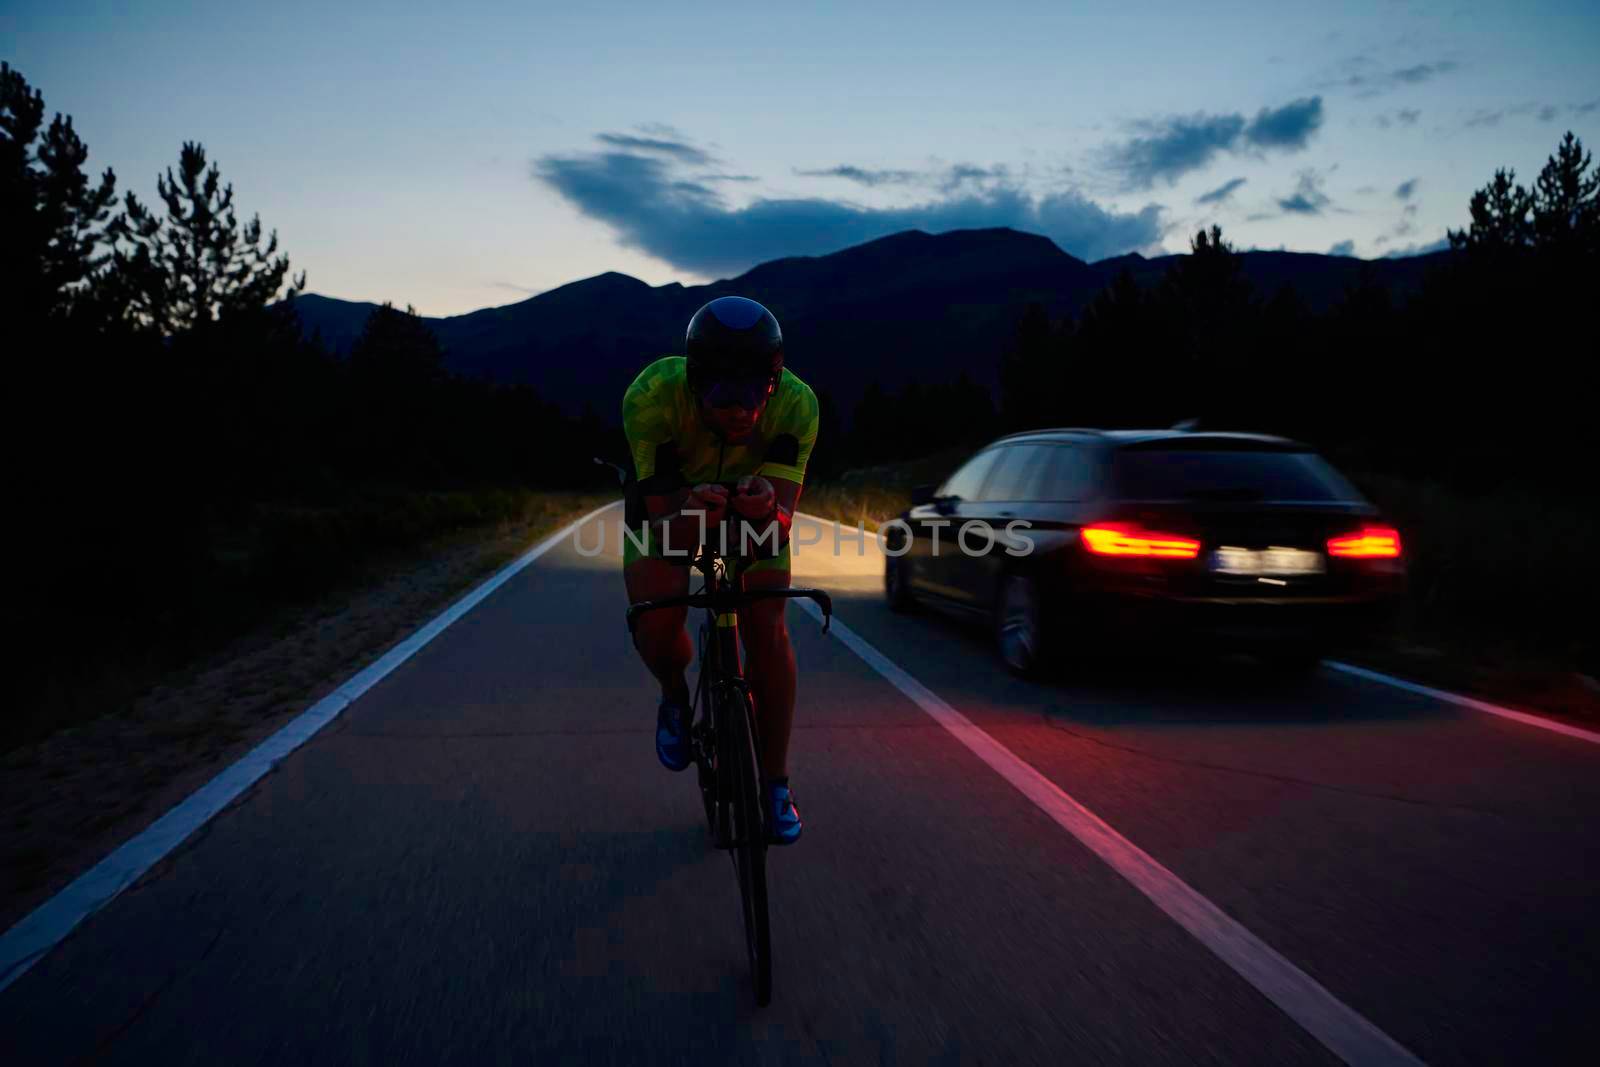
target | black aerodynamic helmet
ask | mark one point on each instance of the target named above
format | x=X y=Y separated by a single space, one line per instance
x=732 y=338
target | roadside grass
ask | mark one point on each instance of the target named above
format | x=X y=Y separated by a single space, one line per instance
x=71 y=794
x=95 y=656
x=872 y=496
x=1503 y=588
x=852 y=505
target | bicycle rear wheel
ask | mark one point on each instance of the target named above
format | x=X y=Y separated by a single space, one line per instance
x=749 y=837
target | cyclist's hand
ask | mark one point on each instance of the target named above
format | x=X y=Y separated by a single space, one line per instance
x=755 y=497
x=709 y=498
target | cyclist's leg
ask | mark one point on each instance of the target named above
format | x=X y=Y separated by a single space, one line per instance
x=660 y=636
x=770 y=667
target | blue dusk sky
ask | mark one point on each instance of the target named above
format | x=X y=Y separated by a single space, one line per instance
x=456 y=156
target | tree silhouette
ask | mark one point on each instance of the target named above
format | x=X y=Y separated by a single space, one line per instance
x=1115 y=345
x=197 y=265
x=1208 y=289
x=1501 y=218
x=52 y=218
x=396 y=348
x=1566 y=202
x=1207 y=307
x=397 y=370
x=1031 y=373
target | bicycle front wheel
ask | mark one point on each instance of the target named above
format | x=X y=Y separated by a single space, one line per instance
x=749 y=825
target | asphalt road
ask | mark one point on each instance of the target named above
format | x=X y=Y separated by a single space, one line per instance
x=481 y=861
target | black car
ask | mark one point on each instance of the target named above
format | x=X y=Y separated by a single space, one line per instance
x=1135 y=536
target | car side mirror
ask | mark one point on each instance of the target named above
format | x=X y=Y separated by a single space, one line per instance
x=922 y=494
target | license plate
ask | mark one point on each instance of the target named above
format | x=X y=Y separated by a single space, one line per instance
x=1257 y=562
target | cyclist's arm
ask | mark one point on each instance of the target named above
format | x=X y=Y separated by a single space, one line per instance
x=660 y=485
x=684 y=516
x=787 y=496
x=784 y=465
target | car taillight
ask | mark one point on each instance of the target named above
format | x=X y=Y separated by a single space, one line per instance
x=1372 y=542
x=1117 y=539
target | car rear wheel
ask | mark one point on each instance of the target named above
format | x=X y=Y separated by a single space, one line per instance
x=1018 y=624
x=896 y=587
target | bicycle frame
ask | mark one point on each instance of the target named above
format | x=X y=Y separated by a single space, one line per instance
x=722 y=598
x=720 y=666
x=727 y=742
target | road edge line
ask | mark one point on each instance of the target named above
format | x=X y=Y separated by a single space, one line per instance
x=1527 y=719
x=42 y=929
x=1465 y=701
x=1341 y=1029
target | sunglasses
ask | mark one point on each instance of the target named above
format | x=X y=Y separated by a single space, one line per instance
x=745 y=393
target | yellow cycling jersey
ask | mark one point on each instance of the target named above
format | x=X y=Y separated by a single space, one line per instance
x=672 y=446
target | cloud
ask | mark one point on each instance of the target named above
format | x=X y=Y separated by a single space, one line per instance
x=676 y=149
x=1487 y=118
x=1422 y=72
x=946 y=180
x=1308 y=197
x=961 y=173
x=1172 y=147
x=1418 y=250
x=1406 y=189
x=514 y=287
x=1405 y=116
x=661 y=129
x=1175 y=147
x=1288 y=127
x=1362 y=77
x=1220 y=193
x=1343 y=248
x=688 y=225
x=725 y=178
x=863 y=176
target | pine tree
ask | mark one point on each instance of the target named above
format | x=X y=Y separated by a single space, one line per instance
x=398 y=349
x=1205 y=307
x=397 y=367
x=1030 y=372
x=1566 y=203
x=1501 y=218
x=196 y=266
x=52 y=217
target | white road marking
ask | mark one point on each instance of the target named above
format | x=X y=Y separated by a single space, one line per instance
x=1466 y=702
x=868 y=559
x=1345 y=1032
x=30 y=939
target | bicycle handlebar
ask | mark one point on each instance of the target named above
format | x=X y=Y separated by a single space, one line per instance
x=725 y=601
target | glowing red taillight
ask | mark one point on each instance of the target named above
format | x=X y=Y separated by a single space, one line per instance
x=1373 y=542
x=1118 y=539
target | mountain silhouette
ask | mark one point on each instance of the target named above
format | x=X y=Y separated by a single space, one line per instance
x=910 y=306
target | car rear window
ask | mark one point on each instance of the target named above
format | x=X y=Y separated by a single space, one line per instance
x=1227 y=474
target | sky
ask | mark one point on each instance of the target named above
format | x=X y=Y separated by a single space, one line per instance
x=454 y=157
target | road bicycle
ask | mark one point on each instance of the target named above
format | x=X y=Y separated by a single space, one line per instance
x=725 y=738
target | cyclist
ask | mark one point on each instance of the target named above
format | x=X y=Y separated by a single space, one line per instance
x=725 y=411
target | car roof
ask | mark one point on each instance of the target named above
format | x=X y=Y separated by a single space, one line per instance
x=1120 y=438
